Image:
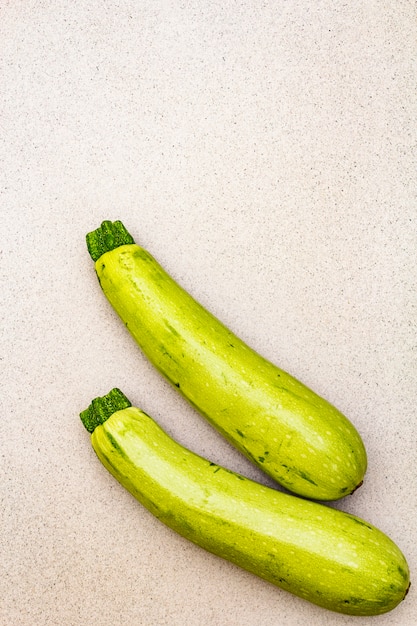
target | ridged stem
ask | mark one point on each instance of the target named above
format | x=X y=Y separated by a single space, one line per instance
x=102 y=408
x=108 y=236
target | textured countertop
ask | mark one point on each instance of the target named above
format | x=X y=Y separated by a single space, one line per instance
x=265 y=153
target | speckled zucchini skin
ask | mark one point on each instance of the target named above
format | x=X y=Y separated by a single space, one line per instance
x=295 y=436
x=325 y=556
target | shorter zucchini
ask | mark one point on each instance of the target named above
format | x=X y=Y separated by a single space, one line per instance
x=330 y=558
x=295 y=436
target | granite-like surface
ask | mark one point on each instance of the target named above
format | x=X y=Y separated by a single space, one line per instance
x=265 y=153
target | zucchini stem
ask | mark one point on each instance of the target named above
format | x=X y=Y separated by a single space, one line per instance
x=102 y=408
x=108 y=236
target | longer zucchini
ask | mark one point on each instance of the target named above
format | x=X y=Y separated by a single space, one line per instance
x=323 y=555
x=295 y=436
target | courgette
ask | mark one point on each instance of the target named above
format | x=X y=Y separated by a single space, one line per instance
x=295 y=436
x=330 y=558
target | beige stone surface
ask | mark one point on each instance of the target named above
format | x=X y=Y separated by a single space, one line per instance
x=265 y=153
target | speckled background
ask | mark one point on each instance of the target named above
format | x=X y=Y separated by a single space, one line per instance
x=265 y=153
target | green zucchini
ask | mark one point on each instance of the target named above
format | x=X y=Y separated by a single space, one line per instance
x=295 y=436
x=331 y=558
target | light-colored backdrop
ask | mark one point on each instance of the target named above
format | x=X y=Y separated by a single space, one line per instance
x=265 y=153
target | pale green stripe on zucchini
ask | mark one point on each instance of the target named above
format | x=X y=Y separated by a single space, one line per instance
x=330 y=558
x=292 y=434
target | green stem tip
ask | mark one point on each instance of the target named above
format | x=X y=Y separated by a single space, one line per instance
x=108 y=236
x=102 y=408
